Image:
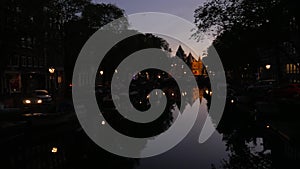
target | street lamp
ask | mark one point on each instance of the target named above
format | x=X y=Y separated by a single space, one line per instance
x=101 y=76
x=268 y=66
x=101 y=72
x=51 y=71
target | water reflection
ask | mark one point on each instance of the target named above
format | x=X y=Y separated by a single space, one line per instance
x=190 y=153
x=238 y=143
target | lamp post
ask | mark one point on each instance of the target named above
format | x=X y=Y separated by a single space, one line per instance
x=269 y=74
x=51 y=71
x=101 y=76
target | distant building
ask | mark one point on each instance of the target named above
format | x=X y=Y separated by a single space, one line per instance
x=195 y=65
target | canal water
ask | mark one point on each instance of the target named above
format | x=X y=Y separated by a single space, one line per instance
x=234 y=144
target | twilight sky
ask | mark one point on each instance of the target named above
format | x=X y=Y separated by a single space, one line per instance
x=182 y=8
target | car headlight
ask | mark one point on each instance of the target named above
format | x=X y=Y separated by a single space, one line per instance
x=206 y=91
x=27 y=101
x=39 y=101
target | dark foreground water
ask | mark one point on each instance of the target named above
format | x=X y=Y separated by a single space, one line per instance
x=57 y=141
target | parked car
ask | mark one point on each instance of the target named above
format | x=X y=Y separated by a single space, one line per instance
x=37 y=101
x=286 y=91
x=43 y=95
x=262 y=85
x=37 y=97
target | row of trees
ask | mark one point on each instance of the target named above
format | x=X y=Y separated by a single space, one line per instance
x=245 y=31
x=249 y=33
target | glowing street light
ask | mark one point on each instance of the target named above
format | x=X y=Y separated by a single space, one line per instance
x=51 y=70
x=268 y=66
x=101 y=72
x=54 y=150
x=51 y=82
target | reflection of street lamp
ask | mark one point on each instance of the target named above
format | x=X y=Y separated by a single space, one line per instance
x=268 y=66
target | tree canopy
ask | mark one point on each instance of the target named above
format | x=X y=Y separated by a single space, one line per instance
x=247 y=30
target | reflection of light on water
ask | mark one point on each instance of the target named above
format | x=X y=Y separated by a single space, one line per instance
x=192 y=148
x=54 y=150
x=196 y=94
x=33 y=114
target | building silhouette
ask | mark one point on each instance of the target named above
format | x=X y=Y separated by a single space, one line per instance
x=31 y=41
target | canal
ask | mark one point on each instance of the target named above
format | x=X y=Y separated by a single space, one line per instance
x=58 y=141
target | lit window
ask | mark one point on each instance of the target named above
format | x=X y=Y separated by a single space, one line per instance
x=291 y=68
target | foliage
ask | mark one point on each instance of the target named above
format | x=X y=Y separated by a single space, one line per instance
x=246 y=31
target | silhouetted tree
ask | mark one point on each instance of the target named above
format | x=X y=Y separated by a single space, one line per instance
x=246 y=30
x=80 y=28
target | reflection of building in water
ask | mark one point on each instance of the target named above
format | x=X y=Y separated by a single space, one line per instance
x=197 y=93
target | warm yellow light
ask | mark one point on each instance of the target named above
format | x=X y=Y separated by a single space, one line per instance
x=39 y=101
x=101 y=72
x=27 y=101
x=59 y=79
x=51 y=70
x=268 y=126
x=54 y=150
x=206 y=91
x=268 y=66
